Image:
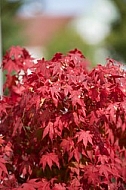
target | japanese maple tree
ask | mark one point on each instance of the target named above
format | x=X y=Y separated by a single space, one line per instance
x=62 y=126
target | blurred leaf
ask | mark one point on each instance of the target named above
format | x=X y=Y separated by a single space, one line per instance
x=11 y=30
x=116 y=41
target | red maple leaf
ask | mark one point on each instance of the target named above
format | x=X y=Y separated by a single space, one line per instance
x=27 y=186
x=3 y=168
x=56 y=68
x=75 y=184
x=75 y=153
x=104 y=170
x=84 y=136
x=3 y=106
x=67 y=89
x=94 y=94
x=18 y=126
x=28 y=64
x=18 y=89
x=16 y=59
x=50 y=159
x=91 y=173
x=76 y=119
x=55 y=89
x=16 y=52
x=76 y=98
x=103 y=159
x=59 y=187
x=10 y=66
x=67 y=144
x=49 y=129
x=34 y=184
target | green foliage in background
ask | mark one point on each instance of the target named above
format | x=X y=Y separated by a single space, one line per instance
x=11 y=30
x=68 y=39
x=116 y=41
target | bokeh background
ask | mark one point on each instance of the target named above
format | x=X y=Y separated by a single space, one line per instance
x=44 y=27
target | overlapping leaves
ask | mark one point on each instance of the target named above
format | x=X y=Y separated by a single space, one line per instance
x=62 y=126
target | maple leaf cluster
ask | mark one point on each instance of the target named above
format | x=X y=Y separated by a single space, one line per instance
x=62 y=126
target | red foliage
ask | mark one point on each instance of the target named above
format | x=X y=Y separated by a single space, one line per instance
x=62 y=127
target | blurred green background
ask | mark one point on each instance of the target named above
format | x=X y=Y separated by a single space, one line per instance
x=67 y=38
x=116 y=40
x=10 y=28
